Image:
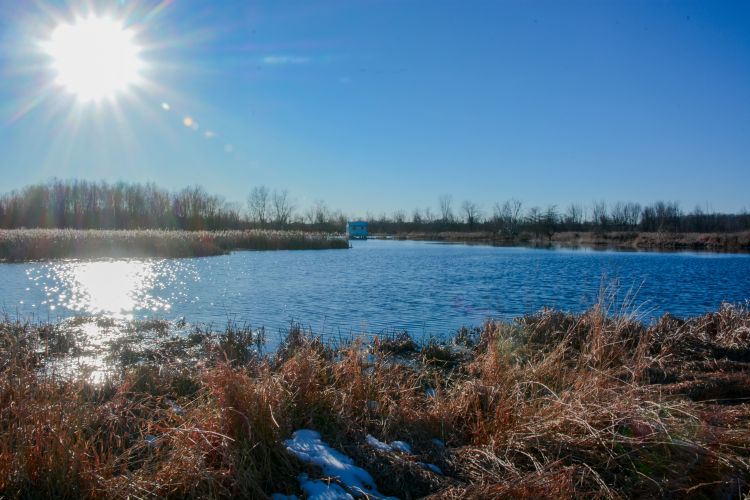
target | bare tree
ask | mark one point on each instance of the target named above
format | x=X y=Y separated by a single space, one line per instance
x=632 y=214
x=317 y=214
x=618 y=216
x=446 y=208
x=574 y=215
x=508 y=217
x=399 y=216
x=416 y=216
x=337 y=219
x=282 y=207
x=599 y=214
x=471 y=212
x=550 y=219
x=257 y=204
x=534 y=219
x=661 y=216
x=515 y=210
x=698 y=219
x=428 y=216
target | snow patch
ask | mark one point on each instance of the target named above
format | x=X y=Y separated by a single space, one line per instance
x=308 y=447
x=372 y=441
x=401 y=446
x=316 y=489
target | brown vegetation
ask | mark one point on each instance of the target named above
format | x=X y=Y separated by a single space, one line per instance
x=718 y=242
x=622 y=240
x=18 y=245
x=553 y=405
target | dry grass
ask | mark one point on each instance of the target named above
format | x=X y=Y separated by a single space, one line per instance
x=17 y=245
x=552 y=406
x=624 y=240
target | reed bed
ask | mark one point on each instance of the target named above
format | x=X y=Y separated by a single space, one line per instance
x=18 y=245
x=625 y=240
x=553 y=405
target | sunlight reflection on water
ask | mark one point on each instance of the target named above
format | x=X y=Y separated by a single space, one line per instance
x=112 y=288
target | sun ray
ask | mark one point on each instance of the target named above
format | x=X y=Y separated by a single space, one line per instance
x=29 y=106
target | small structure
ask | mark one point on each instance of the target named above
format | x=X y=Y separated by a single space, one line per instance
x=356 y=229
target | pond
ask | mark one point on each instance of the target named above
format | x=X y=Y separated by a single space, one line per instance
x=423 y=287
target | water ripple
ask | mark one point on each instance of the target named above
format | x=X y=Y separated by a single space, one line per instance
x=378 y=285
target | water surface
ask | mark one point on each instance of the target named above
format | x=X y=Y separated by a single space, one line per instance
x=425 y=288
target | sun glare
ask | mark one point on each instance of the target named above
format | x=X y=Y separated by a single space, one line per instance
x=95 y=57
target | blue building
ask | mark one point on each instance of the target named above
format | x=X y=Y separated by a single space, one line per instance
x=356 y=229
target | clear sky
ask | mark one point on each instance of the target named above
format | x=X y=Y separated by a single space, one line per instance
x=379 y=105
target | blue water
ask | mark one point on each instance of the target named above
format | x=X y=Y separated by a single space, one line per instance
x=425 y=288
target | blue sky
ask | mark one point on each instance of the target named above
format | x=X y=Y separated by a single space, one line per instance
x=378 y=105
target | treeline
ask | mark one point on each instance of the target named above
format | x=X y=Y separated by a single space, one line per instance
x=100 y=205
x=76 y=204
x=511 y=218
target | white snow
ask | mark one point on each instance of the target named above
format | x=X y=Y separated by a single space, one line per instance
x=401 y=446
x=377 y=444
x=308 y=447
x=316 y=489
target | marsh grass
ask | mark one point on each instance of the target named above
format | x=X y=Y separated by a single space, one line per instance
x=18 y=245
x=738 y=241
x=553 y=405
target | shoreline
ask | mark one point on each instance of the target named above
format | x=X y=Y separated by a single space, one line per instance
x=24 y=245
x=628 y=241
x=551 y=405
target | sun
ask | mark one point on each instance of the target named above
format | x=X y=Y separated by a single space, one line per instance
x=94 y=58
